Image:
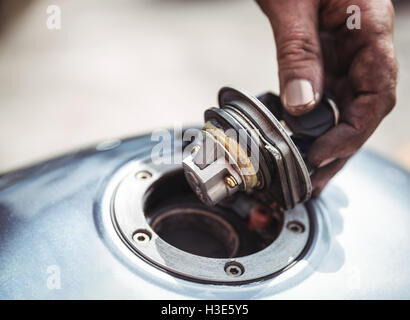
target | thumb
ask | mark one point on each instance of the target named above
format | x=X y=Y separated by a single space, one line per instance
x=295 y=26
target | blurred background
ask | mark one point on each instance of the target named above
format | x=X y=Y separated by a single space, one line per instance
x=125 y=67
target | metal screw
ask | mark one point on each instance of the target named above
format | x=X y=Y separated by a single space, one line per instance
x=230 y=181
x=141 y=236
x=195 y=149
x=143 y=175
x=296 y=227
x=234 y=269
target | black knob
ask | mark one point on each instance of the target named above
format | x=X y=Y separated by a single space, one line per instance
x=315 y=123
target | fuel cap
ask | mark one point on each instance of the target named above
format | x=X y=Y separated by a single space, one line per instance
x=252 y=144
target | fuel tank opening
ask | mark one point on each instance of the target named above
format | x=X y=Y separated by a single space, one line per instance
x=197 y=231
x=179 y=218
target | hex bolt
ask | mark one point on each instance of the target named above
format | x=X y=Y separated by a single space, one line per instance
x=296 y=226
x=230 y=181
x=234 y=269
x=143 y=175
x=141 y=236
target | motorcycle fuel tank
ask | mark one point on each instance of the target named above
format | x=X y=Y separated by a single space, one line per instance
x=108 y=223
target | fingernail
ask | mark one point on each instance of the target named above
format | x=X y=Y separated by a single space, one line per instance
x=298 y=95
x=326 y=162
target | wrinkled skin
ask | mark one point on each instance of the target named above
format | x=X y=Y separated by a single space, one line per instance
x=358 y=66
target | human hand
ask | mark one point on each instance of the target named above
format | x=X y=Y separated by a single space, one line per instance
x=316 y=50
